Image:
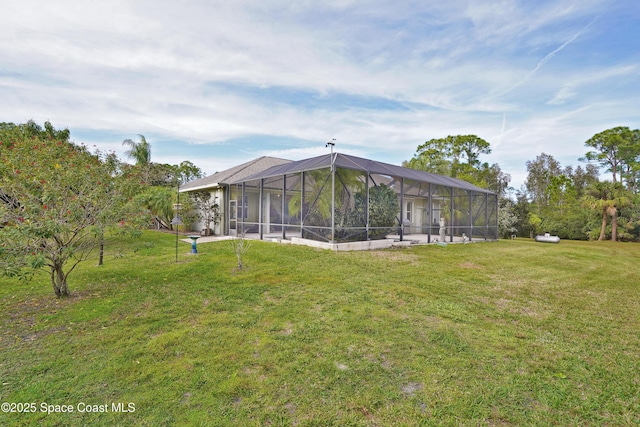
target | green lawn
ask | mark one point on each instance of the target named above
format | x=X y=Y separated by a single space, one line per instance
x=509 y=333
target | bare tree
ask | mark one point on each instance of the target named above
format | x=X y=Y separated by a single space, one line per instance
x=240 y=247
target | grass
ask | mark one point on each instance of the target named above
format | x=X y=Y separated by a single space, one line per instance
x=509 y=333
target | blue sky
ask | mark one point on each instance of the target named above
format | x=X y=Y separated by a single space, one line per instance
x=221 y=82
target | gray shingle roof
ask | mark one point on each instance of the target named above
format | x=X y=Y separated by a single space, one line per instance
x=234 y=174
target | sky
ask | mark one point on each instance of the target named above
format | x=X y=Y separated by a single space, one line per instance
x=219 y=83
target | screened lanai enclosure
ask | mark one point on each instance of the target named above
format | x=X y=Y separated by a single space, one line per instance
x=338 y=198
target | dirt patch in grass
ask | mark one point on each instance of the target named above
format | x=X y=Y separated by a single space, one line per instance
x=470 y=266
x=396 y=255
x=21 y=318
x=24 y=312
x=411 y=388
x=288 y=330
x=530 y=309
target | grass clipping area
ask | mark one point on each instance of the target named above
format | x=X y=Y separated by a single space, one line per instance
x=506 y=333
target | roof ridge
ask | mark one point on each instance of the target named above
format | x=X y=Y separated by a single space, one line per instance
x=224 y=175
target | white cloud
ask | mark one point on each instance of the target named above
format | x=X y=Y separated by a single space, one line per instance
x=380 y=78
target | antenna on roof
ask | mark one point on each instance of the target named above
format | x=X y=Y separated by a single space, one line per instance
x=331 y=144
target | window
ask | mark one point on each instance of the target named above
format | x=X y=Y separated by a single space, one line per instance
x=233 y=210
x=239 y=211
x=244 y=210
x=408 y=212
x=435 y=213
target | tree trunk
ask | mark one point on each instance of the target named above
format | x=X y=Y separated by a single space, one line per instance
x=614 y=225
x=101 y=257
x=59 y=281
x=604 y=226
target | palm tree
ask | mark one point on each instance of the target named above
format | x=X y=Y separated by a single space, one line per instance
x=621 y=200
x=606 y=197
x=141 y=153
x=317 y=198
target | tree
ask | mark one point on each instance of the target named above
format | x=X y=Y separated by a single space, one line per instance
x=241 y=246
x=492 y=178
x=630 y=154
x=208 y=208
x=317 y=203
x=33 y=130
x=583 y=178
x=630 y=219
x=459 y=157
x=540 y=172
x=432 y=156
x=58 y=200
x=534 y=222
x=621 y=199
x=164 y=174
x=561 y=194
x=507 y=218
x=317 y=198
x=521 y=210
x=468 y=147
x=605 y=198
x=555 y=195
x=140 y=152
x=450 y=156
x=159 y=201
x=609 y=146
x=158 y=183
x=187 y=171
x=383 y=206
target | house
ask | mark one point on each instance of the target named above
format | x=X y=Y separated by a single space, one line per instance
x=218 y=185
x=337 y=198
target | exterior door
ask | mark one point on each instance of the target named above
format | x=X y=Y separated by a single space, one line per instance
x=233 y=217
